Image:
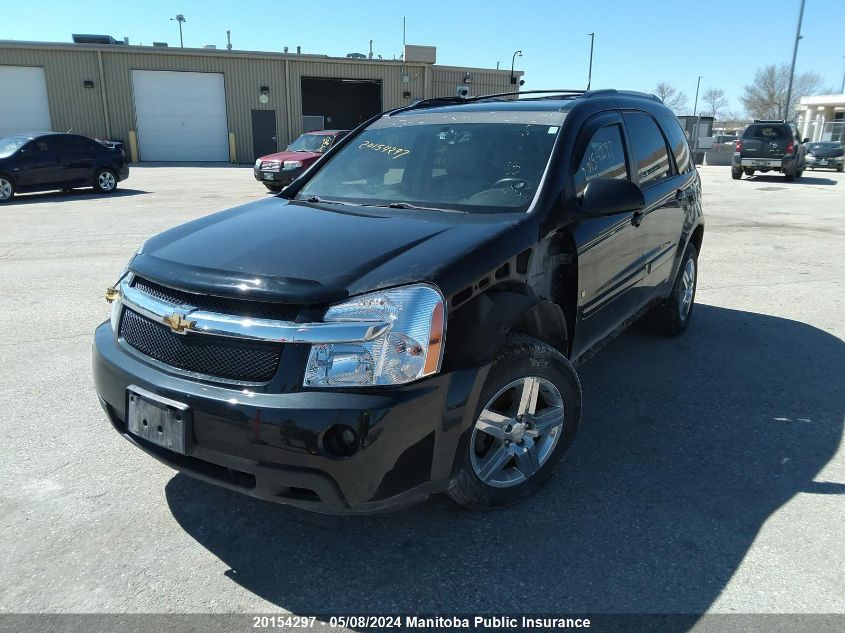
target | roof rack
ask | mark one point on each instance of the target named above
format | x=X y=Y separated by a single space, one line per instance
x=564 y=93
x=769 y=121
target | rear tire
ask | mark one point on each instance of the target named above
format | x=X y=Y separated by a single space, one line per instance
x=527 y=418
x=105 y=181
x=673 y=315
x=840 y=168
x=7 y=189
x=736 y=175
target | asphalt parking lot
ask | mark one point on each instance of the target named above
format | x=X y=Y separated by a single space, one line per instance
x=708 y=476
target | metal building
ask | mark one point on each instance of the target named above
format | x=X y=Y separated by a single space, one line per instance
x=173 y=104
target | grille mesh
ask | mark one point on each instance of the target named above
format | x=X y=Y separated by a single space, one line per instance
x=238 y=307
x=250 y=362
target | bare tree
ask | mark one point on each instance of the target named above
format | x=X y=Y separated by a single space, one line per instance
x=671 y=97
x=765 y=98
x=715 y=100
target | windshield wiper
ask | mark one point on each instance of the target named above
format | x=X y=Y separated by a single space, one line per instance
x=318 y=199
x=408 y=205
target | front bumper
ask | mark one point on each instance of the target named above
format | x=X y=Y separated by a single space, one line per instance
x=280 y=178
x=269 y=445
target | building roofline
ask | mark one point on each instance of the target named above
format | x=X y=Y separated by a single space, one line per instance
x=218 y=52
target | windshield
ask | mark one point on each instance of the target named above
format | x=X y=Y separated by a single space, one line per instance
x=10 y=145
x=318 y=143
x=823 y=146
x=468 y=161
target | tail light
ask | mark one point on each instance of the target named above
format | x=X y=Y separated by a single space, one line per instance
x=790 y=146
x=737 y=145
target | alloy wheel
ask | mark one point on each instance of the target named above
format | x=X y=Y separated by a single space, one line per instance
x=5 y=189
x=687 y=289
x=106 y=181
x=516 y=432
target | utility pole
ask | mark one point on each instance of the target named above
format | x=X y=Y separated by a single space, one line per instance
x=792 y=69
x=842 y=89
x=180 y=18
x=590 y=71
x=228 y=40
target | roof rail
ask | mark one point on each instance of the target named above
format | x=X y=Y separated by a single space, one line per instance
x=437 y=101
x=769 y=121
x=625 y=93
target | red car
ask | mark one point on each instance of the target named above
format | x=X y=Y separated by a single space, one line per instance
x=282 y=168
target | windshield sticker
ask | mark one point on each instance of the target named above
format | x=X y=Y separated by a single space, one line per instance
x=553 y=129
x=327 y=141
x=393 y=152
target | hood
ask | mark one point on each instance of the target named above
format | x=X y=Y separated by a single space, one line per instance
x=303 y=156
x=296 y=252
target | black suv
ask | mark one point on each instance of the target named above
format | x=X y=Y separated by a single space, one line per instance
x=404 y=318
x=769 y=146
x=41 y=162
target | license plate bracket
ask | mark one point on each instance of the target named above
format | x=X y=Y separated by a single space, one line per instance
x=158 y=420
x=267 y=176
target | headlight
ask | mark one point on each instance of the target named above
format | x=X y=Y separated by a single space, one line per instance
x=257 y=163
x=410 y=349
x=292 y=164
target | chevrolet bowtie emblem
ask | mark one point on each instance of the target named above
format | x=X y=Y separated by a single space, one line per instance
x=178 y=323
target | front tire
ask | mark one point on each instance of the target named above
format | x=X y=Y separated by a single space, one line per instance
x=7 y=189
x=528 y=415
x=105 y=181
x=273 y=188
x=673 y=315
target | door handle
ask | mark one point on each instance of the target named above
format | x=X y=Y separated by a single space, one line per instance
x=637 y=218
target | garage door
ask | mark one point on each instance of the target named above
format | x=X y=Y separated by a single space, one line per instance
x=181 y=116
x=23 y=100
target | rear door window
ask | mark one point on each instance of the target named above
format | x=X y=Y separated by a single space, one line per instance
x=649 y=146
x=678 y=143
x=603 y=158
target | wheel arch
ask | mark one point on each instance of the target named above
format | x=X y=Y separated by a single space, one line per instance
x=478 y=327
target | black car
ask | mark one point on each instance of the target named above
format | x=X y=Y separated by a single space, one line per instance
x=42 y=162
x=769 y=146
x=405 y=317
x=825 y=154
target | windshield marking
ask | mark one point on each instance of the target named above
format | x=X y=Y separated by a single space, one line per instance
x=387 y=149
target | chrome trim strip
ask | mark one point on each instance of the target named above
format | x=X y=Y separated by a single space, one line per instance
x=246 y=328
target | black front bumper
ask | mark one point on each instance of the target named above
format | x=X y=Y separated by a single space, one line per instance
x=269 y=445
x=280 y=178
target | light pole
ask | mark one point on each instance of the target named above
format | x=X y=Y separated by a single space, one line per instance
x=590 y=71
x=697 y=119
x=513 y=61
x=180 y=18
x=792 y=69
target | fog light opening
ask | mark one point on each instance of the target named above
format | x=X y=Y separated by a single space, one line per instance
x=340 y=441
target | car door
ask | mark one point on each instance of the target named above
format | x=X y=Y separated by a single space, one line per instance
x=610 y=248
x=76 y=159
x=37 y=166
x=666 y=196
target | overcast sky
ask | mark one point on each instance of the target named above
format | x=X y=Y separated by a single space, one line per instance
x=637 y=43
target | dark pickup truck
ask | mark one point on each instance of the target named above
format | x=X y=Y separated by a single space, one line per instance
x=769 y=146
x=405 y=317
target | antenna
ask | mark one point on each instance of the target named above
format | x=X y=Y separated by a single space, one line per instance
x=228 y=40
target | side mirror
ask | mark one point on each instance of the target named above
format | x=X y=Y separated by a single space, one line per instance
x=806 y=140
x=607 y=196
